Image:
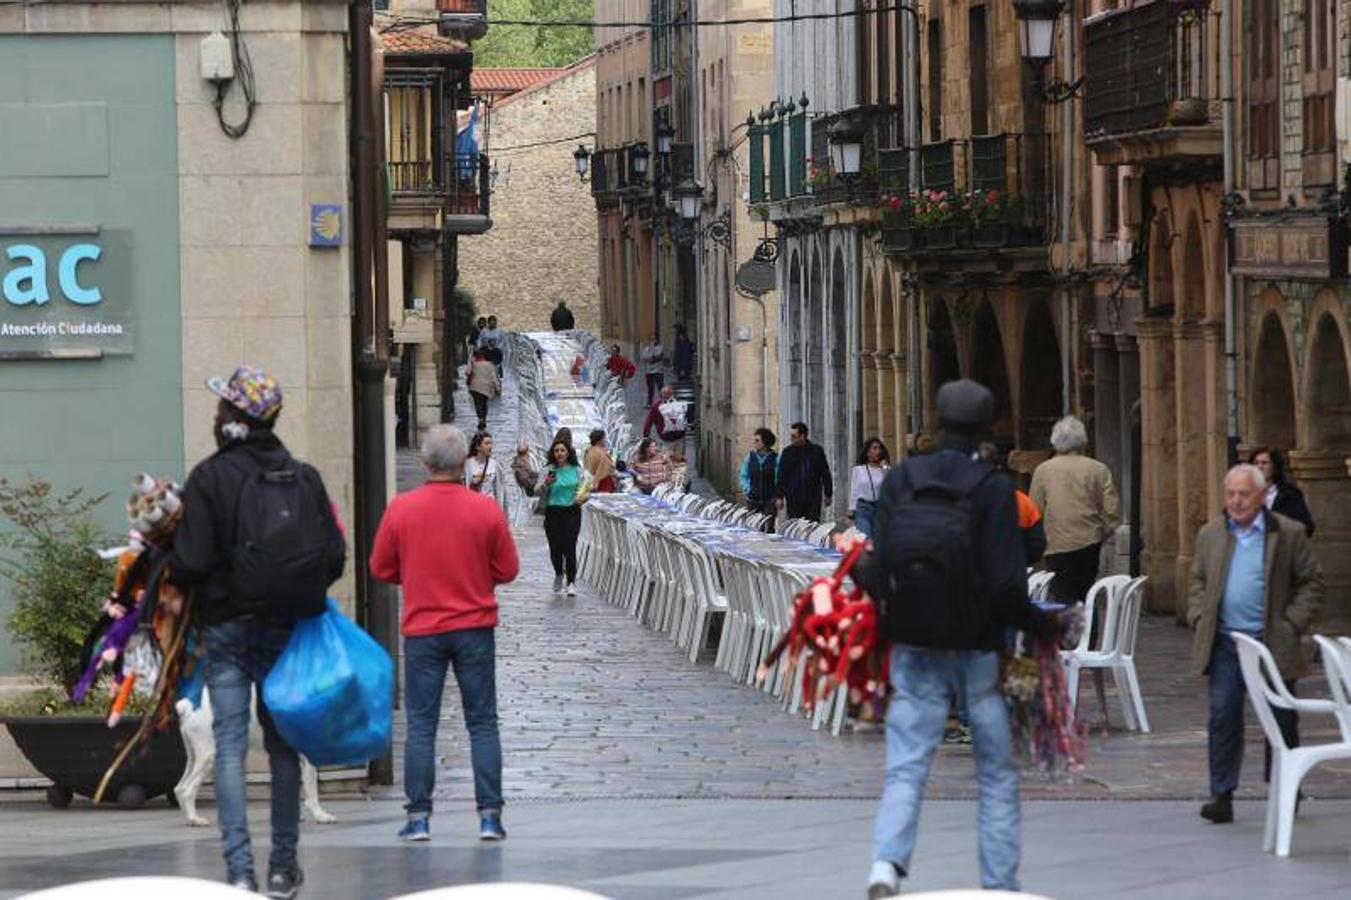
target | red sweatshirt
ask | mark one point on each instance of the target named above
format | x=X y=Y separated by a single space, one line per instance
x=449 y=548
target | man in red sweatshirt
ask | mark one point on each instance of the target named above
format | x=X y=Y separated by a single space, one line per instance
x=449 y=548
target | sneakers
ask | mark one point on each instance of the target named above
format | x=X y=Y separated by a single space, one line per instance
x=957 y=734
x=883 y=881
x=244 y=882
x=572 y=589
x=558 y=584
x=284 y=885
x=1220 y=810
x=416 y=830
x=490 y=828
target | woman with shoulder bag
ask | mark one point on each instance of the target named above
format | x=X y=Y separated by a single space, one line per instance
x=482 y=473
x=564 y=489
x=865 y=483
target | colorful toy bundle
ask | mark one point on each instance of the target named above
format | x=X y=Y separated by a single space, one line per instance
x=833 y=637
x=1045 y=732
x=142 y=636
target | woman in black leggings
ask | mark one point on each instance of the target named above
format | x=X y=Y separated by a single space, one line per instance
x=562 y=513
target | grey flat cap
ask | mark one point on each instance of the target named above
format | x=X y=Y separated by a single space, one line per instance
x=965 y=404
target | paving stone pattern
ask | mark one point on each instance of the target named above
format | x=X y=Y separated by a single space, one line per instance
x=594 y=705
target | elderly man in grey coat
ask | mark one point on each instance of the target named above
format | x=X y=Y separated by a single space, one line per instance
x=1254 y=573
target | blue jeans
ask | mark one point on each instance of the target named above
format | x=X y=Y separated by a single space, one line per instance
x=863 y=516
x=925 y=683
x=1227 y=694
x=239 y=655
x=472 y=654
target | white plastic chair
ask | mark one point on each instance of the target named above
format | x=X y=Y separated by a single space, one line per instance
x=1039 y=584
x=1115 y=602
x=1289 y=765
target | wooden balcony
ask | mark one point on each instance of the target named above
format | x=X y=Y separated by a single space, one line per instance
x=465 y=20
x=454 y=196
x=1152 y=88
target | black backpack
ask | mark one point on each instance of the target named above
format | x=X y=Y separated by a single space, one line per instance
x=287 y=546
x=925 y=581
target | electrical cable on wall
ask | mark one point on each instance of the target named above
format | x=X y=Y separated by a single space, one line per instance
x=243 y=74
x=402 y=21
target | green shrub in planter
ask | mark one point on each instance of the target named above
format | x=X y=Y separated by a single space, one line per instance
x=49 y=555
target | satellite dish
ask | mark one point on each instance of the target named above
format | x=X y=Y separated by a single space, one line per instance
x=757 y=277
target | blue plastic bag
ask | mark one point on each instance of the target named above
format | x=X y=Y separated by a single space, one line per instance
x=331 y=693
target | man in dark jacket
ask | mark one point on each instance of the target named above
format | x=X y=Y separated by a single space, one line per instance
x=561 y=319
x=243 y=644
x=803 y=483
x=927 y=679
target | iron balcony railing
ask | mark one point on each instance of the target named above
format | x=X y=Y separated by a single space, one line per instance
x=463 y=183
x=995 y=186
x=468 y=187
x=1151 y=66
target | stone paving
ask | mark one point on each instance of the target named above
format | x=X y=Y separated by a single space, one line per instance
x=592 y=705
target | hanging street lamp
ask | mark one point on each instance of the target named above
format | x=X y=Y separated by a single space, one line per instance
x=582 y=157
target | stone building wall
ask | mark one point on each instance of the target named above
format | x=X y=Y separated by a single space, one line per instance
x=542 y=246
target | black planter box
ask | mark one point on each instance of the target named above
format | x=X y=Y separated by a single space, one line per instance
x=900 y=239
x=75 y=751
x=997 y=235
x=945 y=237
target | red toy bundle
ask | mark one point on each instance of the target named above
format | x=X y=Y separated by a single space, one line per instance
x=834 y=638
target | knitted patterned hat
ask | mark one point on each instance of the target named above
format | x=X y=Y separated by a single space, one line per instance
x=251 y=391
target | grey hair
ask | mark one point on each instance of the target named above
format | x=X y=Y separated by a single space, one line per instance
x=444 y=449
x=1259 y=481
x=1069 y=435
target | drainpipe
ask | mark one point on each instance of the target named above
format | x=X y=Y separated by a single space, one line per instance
x=1066 y=210
x=1230 y=299
x=912 y=130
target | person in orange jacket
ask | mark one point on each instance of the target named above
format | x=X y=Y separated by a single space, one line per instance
x=1031 y=525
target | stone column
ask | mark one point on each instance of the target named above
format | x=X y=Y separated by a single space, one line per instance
x=1128 y=394
x=1159 y=465
x=1325 y=478
x=1108 y=436
x=426 y=372
x=899 y=408
x=1193 y=463
x=886 y=403
x=869 y=379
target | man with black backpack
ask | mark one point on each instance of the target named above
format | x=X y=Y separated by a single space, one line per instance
x=260 y=545
x=948 y=574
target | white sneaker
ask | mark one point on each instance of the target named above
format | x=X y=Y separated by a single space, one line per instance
x=558 y=584
x=572 y=590
x=883 y=881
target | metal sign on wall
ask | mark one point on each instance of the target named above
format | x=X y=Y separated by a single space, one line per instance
x=1300 y=247
x=65 y=292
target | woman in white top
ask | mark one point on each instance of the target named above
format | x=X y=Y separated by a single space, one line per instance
x=484 y=474
x=865 y=483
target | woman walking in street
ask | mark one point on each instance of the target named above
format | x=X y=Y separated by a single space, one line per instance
x=562 y=489
x=649 y=467
x=865 y=481
x=484 y=385
x=759 y=472
x=599 y=464
x=482 y=473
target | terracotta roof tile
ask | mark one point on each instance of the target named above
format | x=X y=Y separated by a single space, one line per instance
x=504 y=81
x=420 y=43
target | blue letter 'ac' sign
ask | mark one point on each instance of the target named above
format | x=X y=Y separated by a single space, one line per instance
x=26 y=282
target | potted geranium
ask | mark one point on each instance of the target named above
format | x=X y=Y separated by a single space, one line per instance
x=939 y=214
x=898 y=223
x=992 y=213
x=49 y=557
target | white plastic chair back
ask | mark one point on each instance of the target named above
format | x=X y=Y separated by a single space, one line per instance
x=1265 y=688
x=1128 y=618
x=145 y=888
x=1337 y=666
x=504 y=891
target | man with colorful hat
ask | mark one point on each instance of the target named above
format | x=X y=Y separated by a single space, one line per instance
x=260 y=544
